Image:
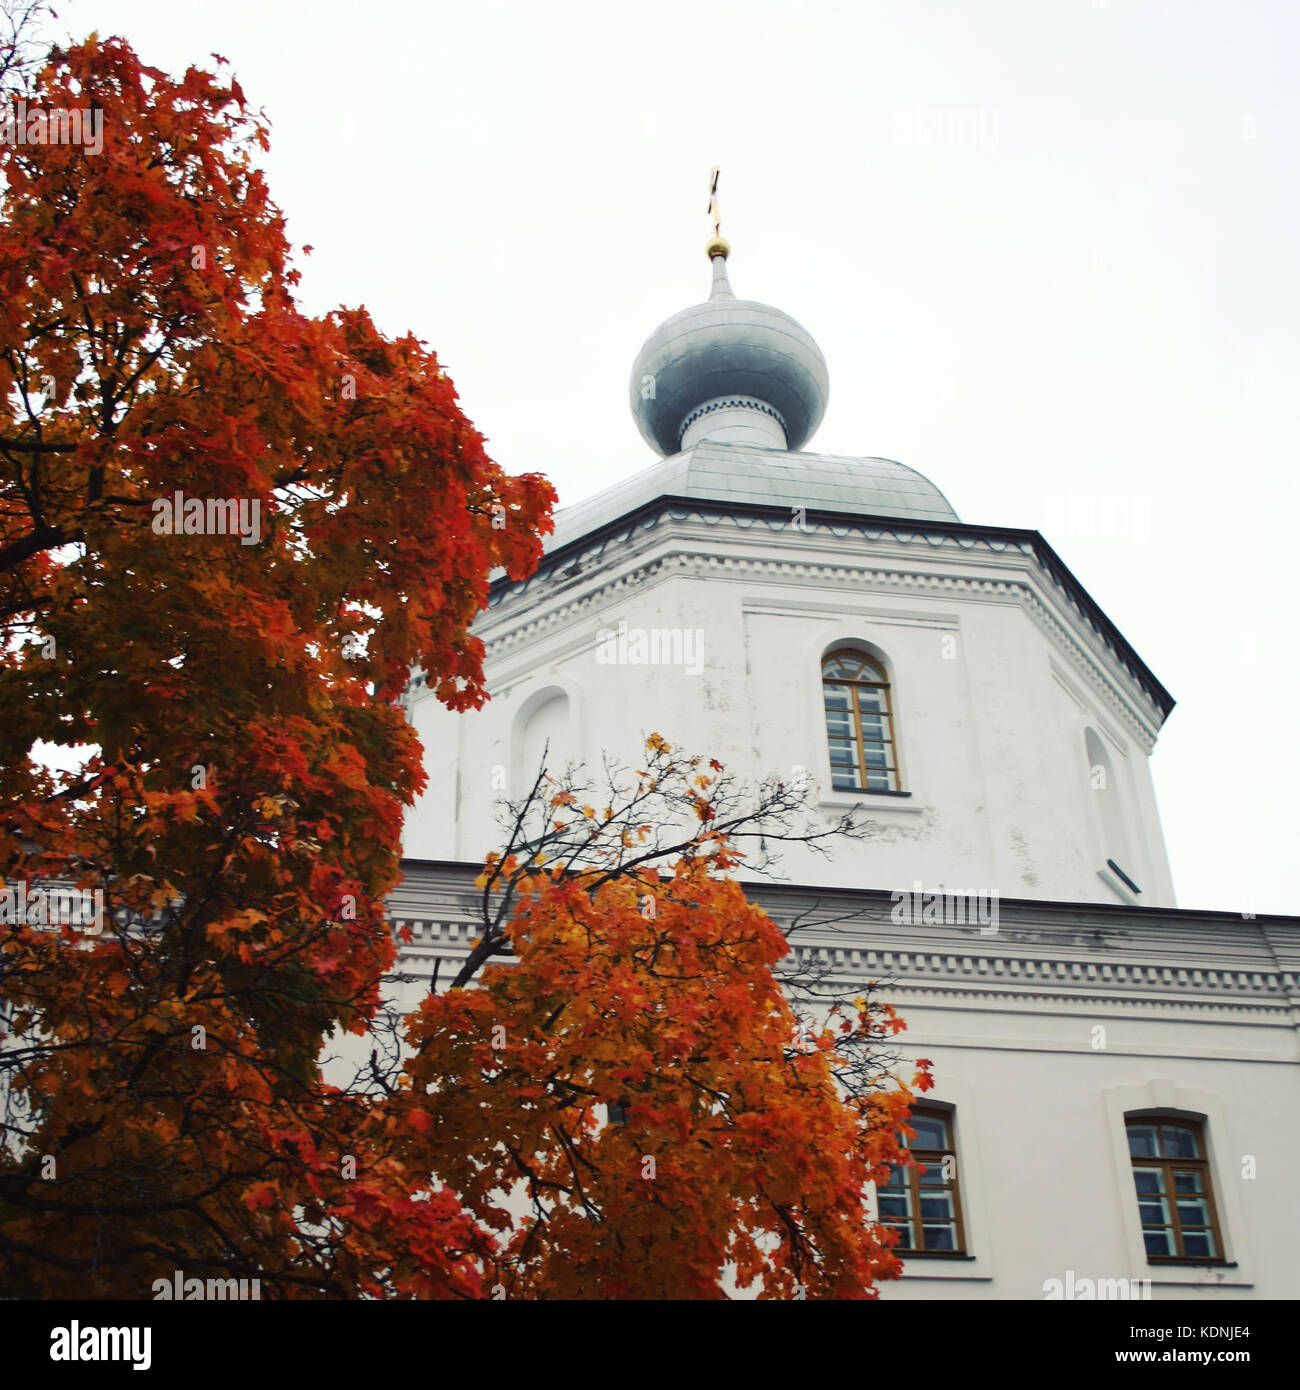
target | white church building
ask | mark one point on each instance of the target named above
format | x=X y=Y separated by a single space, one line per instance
x=1117 y=1080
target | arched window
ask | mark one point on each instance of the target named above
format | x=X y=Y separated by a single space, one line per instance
x=925 y=1208
x=1174 y=1192
x=859 y=723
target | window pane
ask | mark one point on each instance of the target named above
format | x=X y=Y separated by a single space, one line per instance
x=1158 y=1242
x=1154 y=1212
x=852 y=666
x=894 y=1207
x=1142 y=1141
x=871 y=700
x=1147 y=1179
x=940 y=1237
x=931 y=1131
x=1195 y=1213
x=1200 y=1243
x=936 y=1206
x=933 y=1175
x=1187 y=1182
x=1180 y=1142
x=897 y=1177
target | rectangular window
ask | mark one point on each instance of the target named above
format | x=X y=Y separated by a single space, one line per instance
x=1174 y=1193
x=925 y=1207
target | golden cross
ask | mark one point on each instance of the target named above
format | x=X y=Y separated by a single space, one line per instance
x=713 y=202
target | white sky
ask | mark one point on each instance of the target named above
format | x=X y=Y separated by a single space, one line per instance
x=1086 y=291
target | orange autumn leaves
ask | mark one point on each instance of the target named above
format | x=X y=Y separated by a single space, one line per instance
x=740 y=1162
x=163 y=1102
x=162 y=1095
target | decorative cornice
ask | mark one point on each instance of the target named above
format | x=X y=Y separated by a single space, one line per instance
x=913 y=966
x=845 y=576
x=570 y=560
x=1073 y=955
x=1132 y=976
x=1021 y=982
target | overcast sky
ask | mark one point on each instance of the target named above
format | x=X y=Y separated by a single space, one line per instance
x=1048 y=247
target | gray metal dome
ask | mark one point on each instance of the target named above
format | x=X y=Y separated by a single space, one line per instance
x=728 y=354
x=723 y=473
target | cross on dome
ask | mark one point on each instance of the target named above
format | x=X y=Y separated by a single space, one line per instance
x=730 y=370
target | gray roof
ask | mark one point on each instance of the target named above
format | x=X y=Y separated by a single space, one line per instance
x=719 y=472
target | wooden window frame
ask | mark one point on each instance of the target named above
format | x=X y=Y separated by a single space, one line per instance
x=893 y=772
x=912 y=1180
x=1169 y=1167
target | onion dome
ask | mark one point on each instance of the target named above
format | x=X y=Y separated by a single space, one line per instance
x=728 y=370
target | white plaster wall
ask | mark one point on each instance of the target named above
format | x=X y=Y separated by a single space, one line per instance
x=990 y=740
x=1043 y=1160
x=1199 y=1015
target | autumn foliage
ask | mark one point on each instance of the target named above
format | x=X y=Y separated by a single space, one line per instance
x=650 y=1097
x=244 y=806
x=732 y=1144
x=228 y=711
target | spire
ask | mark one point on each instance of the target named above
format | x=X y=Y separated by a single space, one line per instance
x=721 y=285
x=718 y=248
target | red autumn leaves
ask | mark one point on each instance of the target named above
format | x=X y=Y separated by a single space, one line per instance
x=163 y=1100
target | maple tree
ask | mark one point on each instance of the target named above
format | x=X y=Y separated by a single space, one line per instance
x=231 y=766
x=225 y=682
x=670 y=1113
